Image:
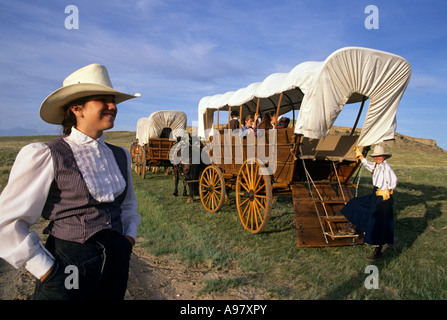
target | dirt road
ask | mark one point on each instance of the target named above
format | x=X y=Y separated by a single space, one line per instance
x=150 y=278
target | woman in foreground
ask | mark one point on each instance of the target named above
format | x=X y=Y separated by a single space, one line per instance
x=83 y=186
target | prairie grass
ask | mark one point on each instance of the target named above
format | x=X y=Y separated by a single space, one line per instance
x=414 y=268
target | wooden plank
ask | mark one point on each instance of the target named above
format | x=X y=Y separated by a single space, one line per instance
x=336 y=219
x=311 y=237
x=314 y=238
x=308 y=224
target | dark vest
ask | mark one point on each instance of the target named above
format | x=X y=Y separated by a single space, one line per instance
x=75 y=215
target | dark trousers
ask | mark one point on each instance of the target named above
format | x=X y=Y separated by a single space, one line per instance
x=96 y=269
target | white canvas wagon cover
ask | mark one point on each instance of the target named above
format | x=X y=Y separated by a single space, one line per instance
x=152 y=126
x=321 y=89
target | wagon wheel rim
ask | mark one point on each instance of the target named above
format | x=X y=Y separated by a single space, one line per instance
x=212 y=189
x=143 y=163
x=253 y=197
x=137 y=161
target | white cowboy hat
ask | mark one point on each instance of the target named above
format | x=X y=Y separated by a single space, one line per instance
x=380 y=151
x=87 y=81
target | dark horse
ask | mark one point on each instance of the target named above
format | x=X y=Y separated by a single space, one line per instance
x=187 y=169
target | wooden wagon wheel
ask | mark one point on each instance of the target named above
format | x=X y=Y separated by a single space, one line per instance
x=253 y=196
x=142 y=162
x=137 y=161
x=212 y=189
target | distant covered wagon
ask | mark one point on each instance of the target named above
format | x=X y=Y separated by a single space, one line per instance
x=302 y=160
x=155 y=137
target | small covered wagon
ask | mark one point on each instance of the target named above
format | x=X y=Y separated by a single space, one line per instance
x=155 y=137
x=302 y=161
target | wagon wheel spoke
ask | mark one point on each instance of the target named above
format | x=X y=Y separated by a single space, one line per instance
x=209 y=177
x=249 y=223
x=246 y=220
x=260 y=204
x=259 y=188
x=205 y=185
x=244 y=214
x=216 y=183
x=216 y=197
x=204 y=180
x=212 y=189
x=212 y=202
x=247 y=175
x=207 y=197
x=245 y=183
x=243 y=202
x=258 y=181
x=255 y=216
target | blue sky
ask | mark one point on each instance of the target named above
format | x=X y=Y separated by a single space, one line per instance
x=176 y=52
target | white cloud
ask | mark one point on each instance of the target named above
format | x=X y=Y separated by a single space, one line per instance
x=427 y=83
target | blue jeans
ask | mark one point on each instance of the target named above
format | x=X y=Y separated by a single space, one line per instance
x=96 y=269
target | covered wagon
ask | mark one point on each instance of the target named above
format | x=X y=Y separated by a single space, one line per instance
x=302 y=160
x=155 y=137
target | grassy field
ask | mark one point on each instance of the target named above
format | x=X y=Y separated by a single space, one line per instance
x=415 y=268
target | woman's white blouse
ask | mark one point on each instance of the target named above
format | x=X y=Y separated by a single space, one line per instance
x=383 y=176
x=24 y=197
x=97 y=165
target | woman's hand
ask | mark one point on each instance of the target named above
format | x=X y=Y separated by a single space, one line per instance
x=358 y=153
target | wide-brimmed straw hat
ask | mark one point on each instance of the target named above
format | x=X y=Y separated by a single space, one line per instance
x=380 y=151
x=88 y=81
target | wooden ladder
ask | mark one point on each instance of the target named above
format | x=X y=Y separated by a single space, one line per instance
x=330 y=222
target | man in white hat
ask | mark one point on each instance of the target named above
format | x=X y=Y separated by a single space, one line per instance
x=373 y=214
x=83 y=186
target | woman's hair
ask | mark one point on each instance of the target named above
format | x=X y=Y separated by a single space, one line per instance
x=265 y=123
x=69 y=120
